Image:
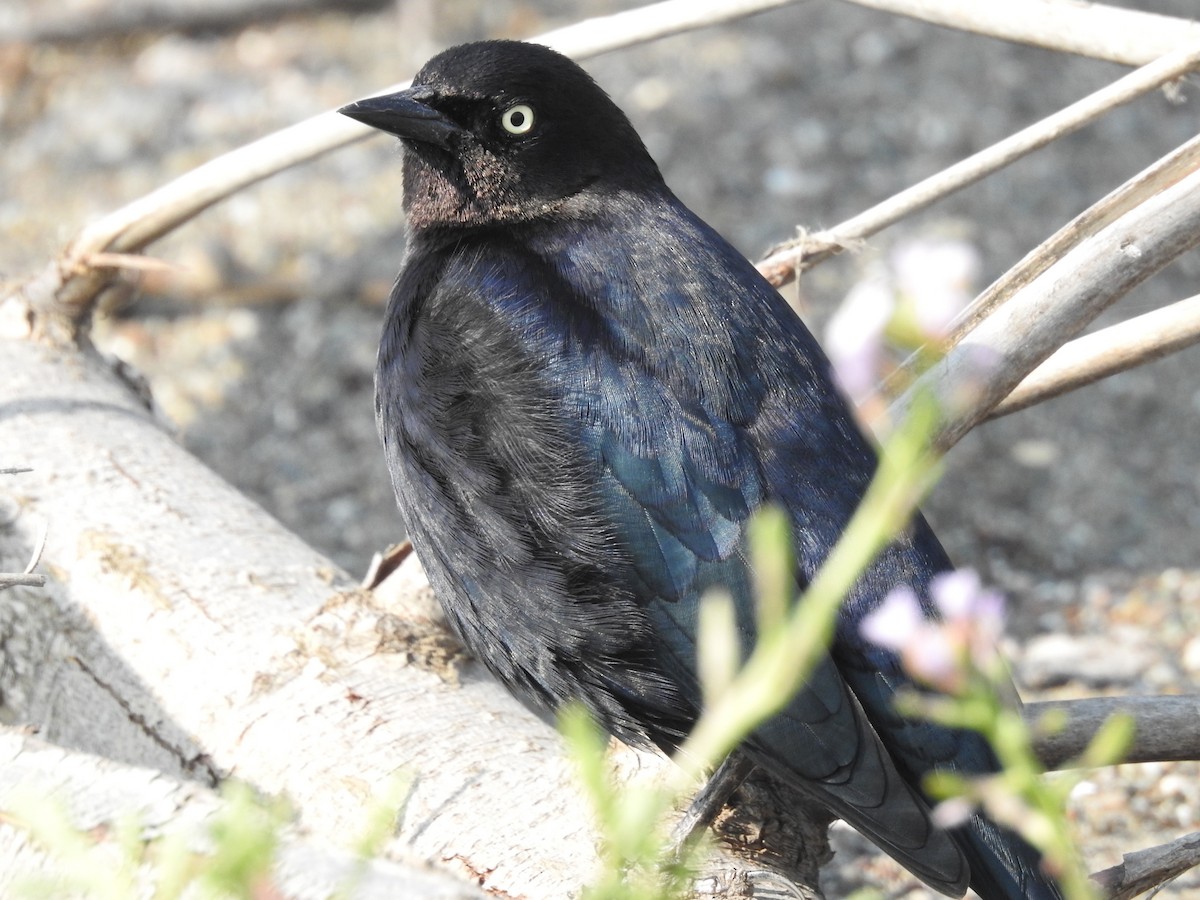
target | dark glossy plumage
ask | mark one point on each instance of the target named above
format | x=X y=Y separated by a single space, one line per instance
x=583 y=393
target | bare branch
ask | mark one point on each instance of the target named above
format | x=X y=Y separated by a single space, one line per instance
x=1089 y=29
x=128 y=261
x=1073 y=26
x=7 y=581
x=1132 y=343
x=1057 y=304
x=46 y=24
x=67 y=289
x=1168 y=728
x=1144 y=870
x=601 y=34
x=780 y=266
x=1152 y=180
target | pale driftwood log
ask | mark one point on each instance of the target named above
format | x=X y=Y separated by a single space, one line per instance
x=184 y=630
x=99 y=793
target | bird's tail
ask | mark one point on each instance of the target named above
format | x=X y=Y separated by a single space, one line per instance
x=1004 y=866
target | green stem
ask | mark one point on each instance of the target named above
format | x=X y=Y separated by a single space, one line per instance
x=783 y=658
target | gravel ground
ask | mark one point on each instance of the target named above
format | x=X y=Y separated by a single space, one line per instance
x=1084 y=509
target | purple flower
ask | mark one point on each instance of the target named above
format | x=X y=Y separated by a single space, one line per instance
x=854 y=337
x=940 y=649
x=937 y=275
x=929 y=281
x=896 y=621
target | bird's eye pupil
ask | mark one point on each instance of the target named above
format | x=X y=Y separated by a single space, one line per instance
x=517 y=119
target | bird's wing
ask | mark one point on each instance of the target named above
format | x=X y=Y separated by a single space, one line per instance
x=721 y=400
x=679 y=436
x=680 y=484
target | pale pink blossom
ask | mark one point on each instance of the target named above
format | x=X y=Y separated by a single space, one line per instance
x=940 y=650
x=855 y=333
x=937 y=276
x=931 y=279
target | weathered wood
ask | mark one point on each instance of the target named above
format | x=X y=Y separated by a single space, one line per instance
x=1128 y=36
x=99 y=794
x=998 y=352
x=1088 y=359
x=1144 y=870
x=1166 y=728
x=184 y=630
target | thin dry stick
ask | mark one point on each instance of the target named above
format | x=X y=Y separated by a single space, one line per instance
x=1035 y=321
x=1073 y=26
x=24 y=580
x=781 y=265
x=1152 y=180
x=1143 y=870
x=1143 y=186
x=1167 y=728
x=1133 y=342
x=66 y=25
x=69 y=287
x=27 y=577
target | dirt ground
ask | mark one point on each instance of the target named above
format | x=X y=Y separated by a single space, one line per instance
x=1085 y=510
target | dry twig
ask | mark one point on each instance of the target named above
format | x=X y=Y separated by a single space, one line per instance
x=1152 y=180
x=1144 y=870
x=782 y=263
x=65 y=292
x=27 y=580
x=1058 y=303
x=1085 y=360
x=1119 y=35
x=1167 y=728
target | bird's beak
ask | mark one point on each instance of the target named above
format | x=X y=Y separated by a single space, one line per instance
x=405 y=115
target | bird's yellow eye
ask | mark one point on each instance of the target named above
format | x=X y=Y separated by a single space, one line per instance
x=517 y=119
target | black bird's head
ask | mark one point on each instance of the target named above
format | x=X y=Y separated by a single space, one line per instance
x=503 y=131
